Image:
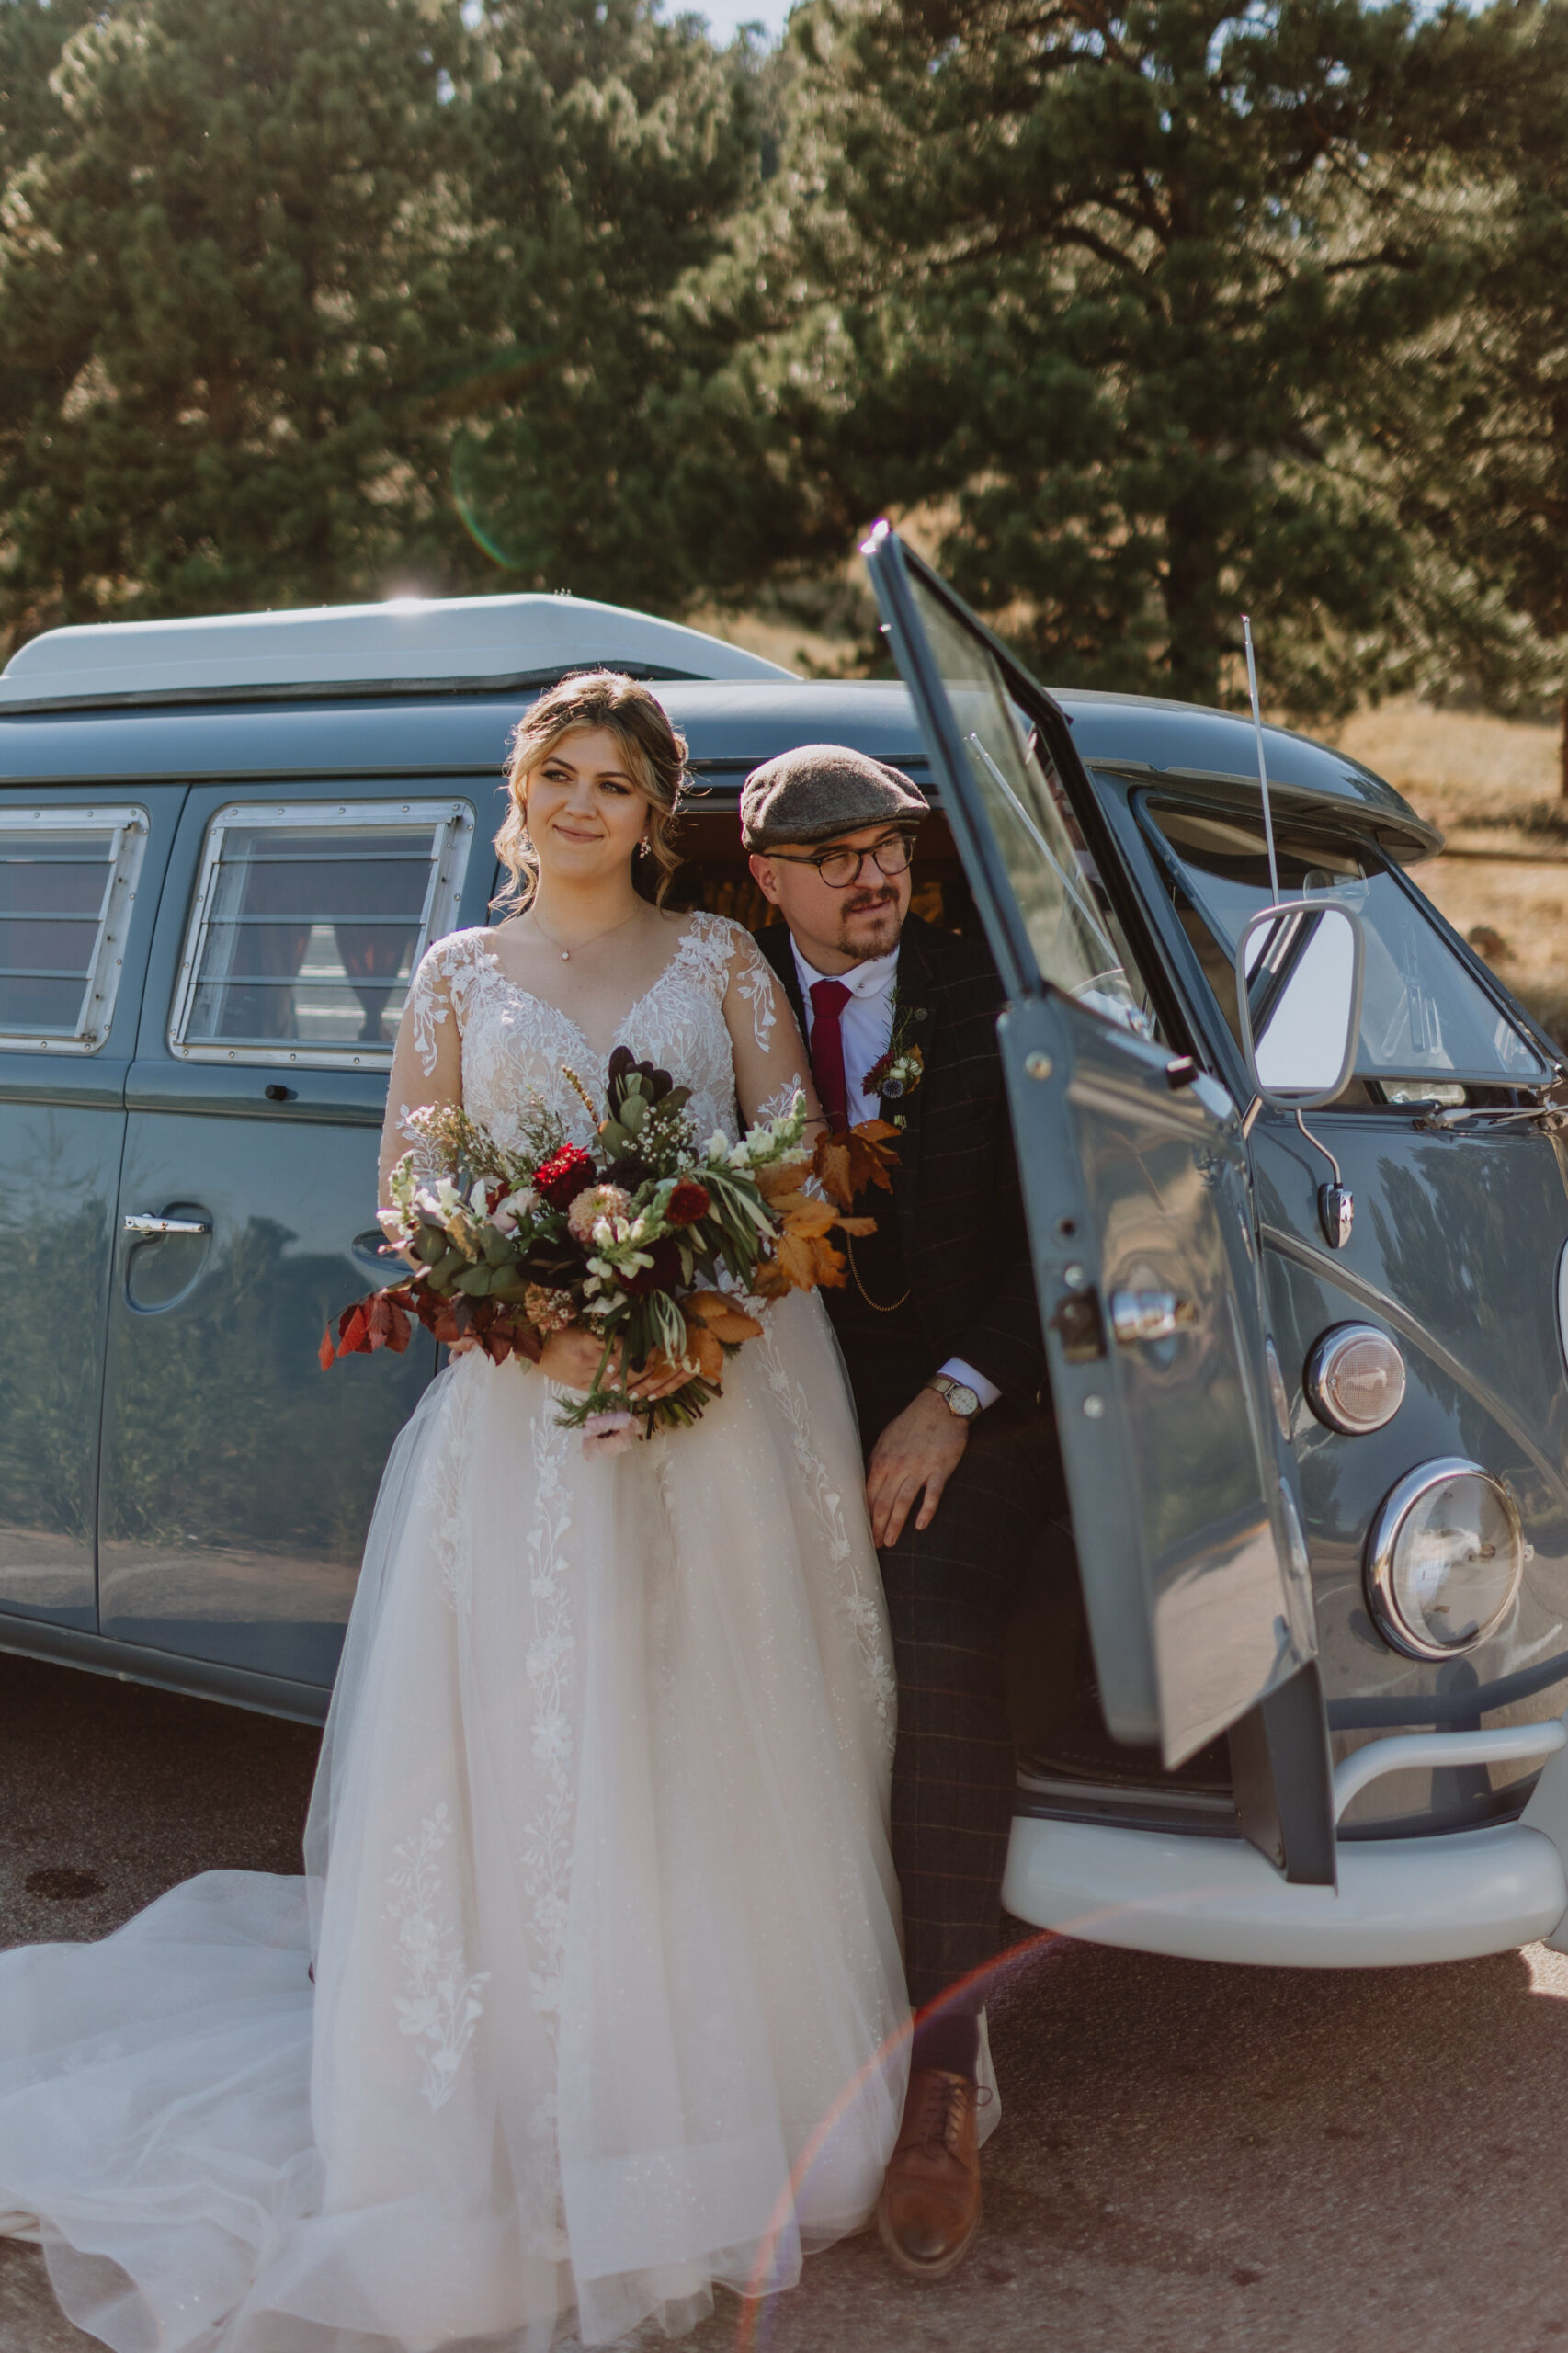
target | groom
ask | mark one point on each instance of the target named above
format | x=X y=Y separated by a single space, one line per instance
x=941 y=1335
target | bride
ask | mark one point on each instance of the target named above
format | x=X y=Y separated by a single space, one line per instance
x=591 y=1995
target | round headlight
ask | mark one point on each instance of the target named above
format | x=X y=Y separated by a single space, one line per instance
x=1443 y=1559
x=1355 y=1379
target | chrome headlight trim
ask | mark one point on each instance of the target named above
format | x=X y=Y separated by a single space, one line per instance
x=1326 y=1365
x=1379 y=1577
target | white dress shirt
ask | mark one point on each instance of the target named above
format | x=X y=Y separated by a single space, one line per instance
x=866 y=1024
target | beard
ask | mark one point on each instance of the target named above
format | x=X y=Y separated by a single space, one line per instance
x=868 y=926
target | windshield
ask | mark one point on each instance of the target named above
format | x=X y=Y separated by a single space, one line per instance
x=1423 y=1016
x=1077 y=942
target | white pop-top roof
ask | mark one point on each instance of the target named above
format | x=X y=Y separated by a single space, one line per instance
x=401 y=643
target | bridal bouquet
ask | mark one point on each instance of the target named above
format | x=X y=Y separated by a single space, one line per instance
x=657 y=1245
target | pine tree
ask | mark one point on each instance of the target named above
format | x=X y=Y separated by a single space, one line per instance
x=608 y=150
x=1480 y=455
x=1110 y=284
x=32 y=34
x=223 y=280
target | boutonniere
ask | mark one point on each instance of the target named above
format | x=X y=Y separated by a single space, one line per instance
x=902 y=1068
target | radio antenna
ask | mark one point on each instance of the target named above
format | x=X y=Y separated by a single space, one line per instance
x=1262 y=763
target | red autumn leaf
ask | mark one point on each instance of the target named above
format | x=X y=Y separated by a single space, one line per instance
x=389 y=1326
x=353 y=1337
x=326 y=1352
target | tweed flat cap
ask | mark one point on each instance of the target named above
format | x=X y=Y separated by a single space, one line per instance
x=820 y=790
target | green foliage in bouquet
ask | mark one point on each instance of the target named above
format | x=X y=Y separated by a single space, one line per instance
x=655 y=1243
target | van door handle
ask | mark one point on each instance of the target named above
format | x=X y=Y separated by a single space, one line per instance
x=1148 y=1315
x=138 y=1222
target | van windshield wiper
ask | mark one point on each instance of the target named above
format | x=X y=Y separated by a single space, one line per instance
x=1550 y=1114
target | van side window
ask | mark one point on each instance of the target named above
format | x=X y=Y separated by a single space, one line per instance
x=1428 y=1028
x=307 y=925
x=67 y=881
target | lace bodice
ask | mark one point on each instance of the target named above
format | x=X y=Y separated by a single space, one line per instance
x=516 y=1047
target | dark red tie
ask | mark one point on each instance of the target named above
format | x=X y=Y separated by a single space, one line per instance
x=828 y=1001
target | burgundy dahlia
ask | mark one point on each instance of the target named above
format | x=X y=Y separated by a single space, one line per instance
x=662 y=1274
x=687 y=1202
x=563 y=1175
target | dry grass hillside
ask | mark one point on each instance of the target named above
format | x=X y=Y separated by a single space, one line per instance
x=1491 y=785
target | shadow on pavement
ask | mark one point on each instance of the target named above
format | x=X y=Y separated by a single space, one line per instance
x=1192 y=2159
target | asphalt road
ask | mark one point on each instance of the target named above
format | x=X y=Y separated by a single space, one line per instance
x=1190 y=2157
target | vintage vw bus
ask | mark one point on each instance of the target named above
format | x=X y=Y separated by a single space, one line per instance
x=1294 y=1180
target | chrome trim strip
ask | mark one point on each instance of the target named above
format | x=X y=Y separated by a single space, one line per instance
x=126 y=827
x=451 y=825
x=1505 y=1745
x=1374 y=1712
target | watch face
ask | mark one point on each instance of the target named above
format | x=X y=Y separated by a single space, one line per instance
x=957 y=1395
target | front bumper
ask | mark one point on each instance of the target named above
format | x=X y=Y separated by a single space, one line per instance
x=1399 y=1901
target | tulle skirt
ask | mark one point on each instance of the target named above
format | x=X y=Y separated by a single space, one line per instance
x=607 y=2002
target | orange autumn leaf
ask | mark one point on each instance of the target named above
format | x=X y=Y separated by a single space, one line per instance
x=785 y=1205
x=803 y=1218
x=801 y=1261
x=721 y=1317
x=856 y=1225
x=780 y=1176
x=844 y=1165
x=326 y=1353
x=702 y=1350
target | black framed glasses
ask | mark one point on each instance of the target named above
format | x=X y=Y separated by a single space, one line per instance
x=840 y=868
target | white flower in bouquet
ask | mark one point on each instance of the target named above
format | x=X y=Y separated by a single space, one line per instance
x=609 y=1206
x=609 y=1433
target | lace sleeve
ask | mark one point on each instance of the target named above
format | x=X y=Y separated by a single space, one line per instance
x=427 y=1059
x=770 y=1061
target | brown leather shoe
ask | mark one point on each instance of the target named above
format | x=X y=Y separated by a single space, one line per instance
x=929 y=2208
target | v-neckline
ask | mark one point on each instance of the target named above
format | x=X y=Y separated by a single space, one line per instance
x=561 y=1014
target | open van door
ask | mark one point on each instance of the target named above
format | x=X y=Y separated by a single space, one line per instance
x=1134 y=1176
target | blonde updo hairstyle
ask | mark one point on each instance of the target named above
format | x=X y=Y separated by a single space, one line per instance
x=655 y=756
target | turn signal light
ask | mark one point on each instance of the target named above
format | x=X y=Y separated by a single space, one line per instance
x=1355 y=1379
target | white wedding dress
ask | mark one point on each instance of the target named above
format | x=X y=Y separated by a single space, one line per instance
x=608 y=1996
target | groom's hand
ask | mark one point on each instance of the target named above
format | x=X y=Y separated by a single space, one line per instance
x=916 y=1455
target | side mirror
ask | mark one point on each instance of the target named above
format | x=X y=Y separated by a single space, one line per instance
x=1299 y=972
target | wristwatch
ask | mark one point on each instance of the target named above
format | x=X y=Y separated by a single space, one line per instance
x=956 y=1395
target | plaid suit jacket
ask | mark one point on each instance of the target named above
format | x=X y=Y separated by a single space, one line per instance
x=956 y=1189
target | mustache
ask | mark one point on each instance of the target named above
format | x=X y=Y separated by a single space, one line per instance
x=867 y=901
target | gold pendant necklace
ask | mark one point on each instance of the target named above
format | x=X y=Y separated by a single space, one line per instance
x=565 y=953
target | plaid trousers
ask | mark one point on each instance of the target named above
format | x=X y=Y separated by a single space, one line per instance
x=952 y=1590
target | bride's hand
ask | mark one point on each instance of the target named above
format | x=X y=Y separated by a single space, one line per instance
x=571 y=1359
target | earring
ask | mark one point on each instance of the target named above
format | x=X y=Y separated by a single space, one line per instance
x=644 y=848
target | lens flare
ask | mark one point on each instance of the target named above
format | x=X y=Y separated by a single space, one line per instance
x=773 y=2269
